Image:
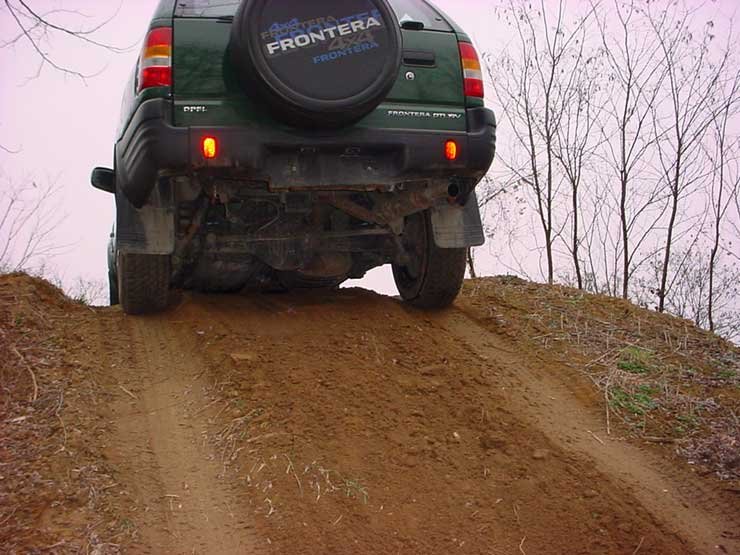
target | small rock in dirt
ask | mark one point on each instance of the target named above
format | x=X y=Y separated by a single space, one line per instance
x=432 y=370
x=242 y=357
x=590 y=493
x=540 y=454
x=236 y=413
x=455 y=436
x=489 y=442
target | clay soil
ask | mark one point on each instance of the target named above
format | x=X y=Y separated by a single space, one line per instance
x=345 y=422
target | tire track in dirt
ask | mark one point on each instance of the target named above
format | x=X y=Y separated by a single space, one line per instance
x=365 y=385
x=180 y=502
x=377 y=429
x=684 y=505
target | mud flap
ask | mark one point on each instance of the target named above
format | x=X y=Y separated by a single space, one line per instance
x=458 y=226
x=149 y=229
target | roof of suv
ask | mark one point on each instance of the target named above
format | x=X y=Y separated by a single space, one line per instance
x=416 y=10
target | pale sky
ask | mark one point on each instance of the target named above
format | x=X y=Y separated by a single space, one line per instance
x=64 y=127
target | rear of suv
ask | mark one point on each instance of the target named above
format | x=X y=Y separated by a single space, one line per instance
x=275 y=144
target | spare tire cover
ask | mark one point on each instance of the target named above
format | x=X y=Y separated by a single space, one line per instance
x=317 y=62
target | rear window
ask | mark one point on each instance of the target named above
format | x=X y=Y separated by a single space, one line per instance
x=414 y=10
x=417 y=10
x=206 y=8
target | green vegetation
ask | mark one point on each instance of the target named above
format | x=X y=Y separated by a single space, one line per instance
x=636 y=360
x=638 y=402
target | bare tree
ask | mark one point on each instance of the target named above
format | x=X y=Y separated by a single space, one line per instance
x=8 y=150
x=29 y=216
x=38 y=27
x=635 y=77
x=688 y=297
x=725 y=183
x=576 y=141
x=532 y=80
x=693 y=82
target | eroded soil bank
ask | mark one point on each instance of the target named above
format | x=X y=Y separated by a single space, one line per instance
x=333 y=422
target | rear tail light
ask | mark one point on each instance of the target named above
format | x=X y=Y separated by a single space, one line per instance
x=472 y=72
x=155 y=63
x=451 y=150
x=209 y=147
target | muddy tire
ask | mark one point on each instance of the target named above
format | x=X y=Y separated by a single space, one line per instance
x=143 y=282
x=113 y=289
x=433 y=276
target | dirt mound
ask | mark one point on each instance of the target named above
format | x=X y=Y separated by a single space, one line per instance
x=344 y=421
x=52 y=482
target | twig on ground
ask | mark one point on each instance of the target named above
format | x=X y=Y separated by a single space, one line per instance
x=209 y=405
x=265 y=436
x=521 y=546
x=226 y=405
x=7 y=518
x=639 y=545
x=606 y=405
x=64 y=429
x=597 y=438
x=35 y=395
x=127 y=392
x=290 y=469
x=658 y=439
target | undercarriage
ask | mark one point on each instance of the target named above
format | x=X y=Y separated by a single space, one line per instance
x=224 y=233
x=229 y=236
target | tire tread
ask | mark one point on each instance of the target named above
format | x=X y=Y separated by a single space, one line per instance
x=143 y=282
x=442 y=276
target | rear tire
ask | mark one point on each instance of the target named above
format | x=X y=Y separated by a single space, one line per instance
x=113 y=289
x=143 y=282
x=433 y=277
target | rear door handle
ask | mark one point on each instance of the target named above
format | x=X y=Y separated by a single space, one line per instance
x=425 y=58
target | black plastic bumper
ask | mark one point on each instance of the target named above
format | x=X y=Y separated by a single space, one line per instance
x=296 y=159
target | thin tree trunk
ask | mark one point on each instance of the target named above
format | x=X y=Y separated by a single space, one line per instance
x=712 y=264
x=576 y=262
x=669 y=240
x=625 y=239
x=717 y=231
x=624 y=180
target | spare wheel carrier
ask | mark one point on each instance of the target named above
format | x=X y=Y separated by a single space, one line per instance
x=317 y=63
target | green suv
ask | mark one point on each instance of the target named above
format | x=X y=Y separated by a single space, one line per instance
x=276 y=144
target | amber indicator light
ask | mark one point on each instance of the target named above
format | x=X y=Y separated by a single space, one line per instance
x=209 y=147
x=451 y=150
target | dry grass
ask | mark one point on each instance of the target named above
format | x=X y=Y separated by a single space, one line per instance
x=660 y=377
x=46 y=459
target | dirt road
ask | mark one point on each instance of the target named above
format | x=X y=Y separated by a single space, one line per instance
x=344 y=422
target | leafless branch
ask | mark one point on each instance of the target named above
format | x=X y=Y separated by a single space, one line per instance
x=36 y=28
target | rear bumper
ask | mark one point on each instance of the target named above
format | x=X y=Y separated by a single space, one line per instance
x=354 y=158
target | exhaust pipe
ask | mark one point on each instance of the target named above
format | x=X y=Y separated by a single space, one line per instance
x=389 y=208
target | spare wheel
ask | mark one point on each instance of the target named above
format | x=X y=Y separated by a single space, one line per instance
x=318 y=63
